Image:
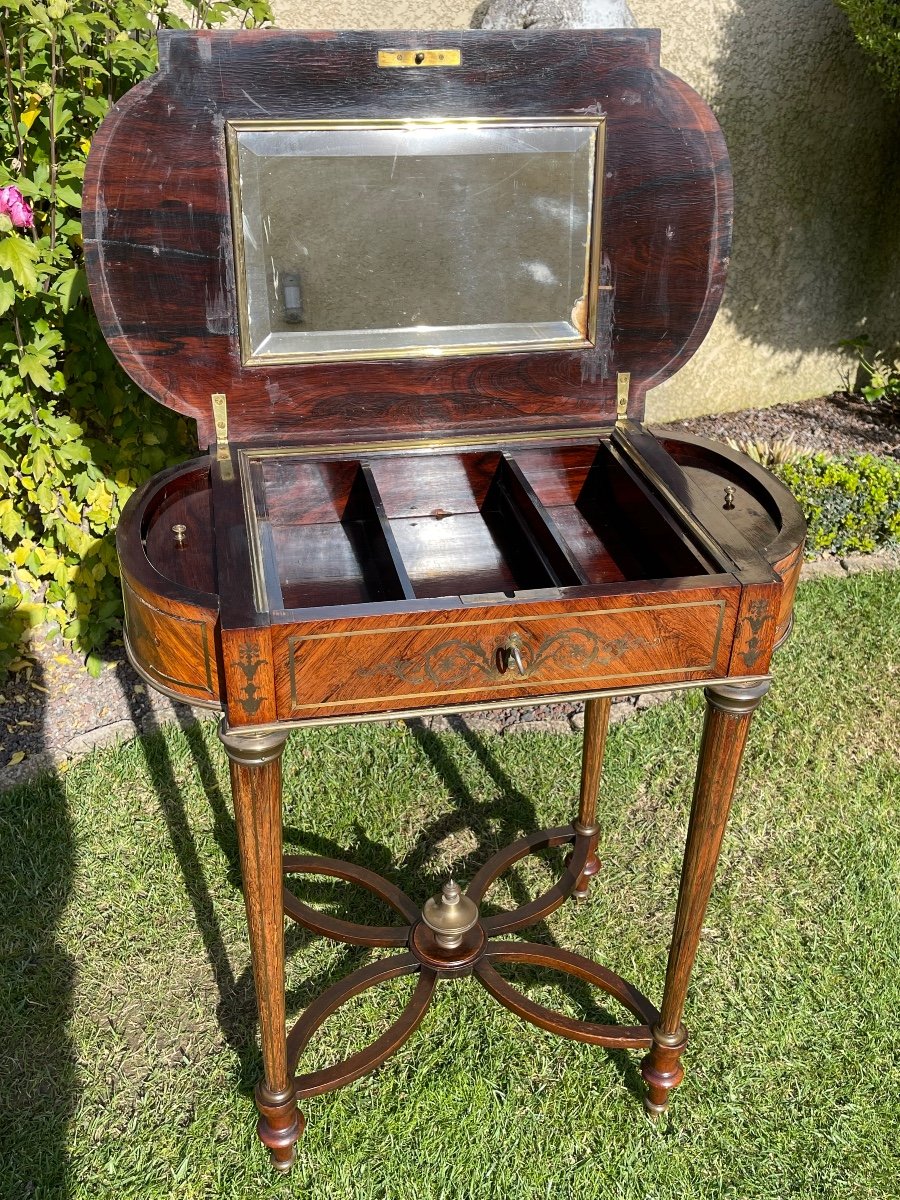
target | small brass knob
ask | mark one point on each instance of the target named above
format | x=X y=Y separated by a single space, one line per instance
x=510 y=652
x=729 y=497
x=179 y=532
x=450 y=915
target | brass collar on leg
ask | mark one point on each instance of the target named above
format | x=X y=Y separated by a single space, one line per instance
x=737 y=698
x=252 y=749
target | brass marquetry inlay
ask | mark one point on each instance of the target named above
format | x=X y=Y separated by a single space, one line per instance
x=145 y=641
x=441 y=668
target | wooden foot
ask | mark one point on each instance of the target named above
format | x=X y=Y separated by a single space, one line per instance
x=255 y=763
x=662 y=1070
x=729 y=708
x=280 y=1124
x=596 y=725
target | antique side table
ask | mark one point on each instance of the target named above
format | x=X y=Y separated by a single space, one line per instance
x=413 y=288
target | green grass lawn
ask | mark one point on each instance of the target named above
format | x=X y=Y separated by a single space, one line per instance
x=127 y=1035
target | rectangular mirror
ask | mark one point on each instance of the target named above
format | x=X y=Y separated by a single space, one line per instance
x=386 y=239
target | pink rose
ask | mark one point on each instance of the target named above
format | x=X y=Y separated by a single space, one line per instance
x=14 y=205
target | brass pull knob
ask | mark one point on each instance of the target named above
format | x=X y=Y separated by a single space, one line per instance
x=505 y=653
x=729 y=497
x=179 y=532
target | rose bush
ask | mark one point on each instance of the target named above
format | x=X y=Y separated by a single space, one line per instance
x=76 y=436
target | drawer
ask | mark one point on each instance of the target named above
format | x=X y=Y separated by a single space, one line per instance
x=444 y=660
x=175 y=649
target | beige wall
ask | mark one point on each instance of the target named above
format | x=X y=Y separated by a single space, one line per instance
x=816 y=155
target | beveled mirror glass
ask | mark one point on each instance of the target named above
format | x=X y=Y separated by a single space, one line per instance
x=386 y=239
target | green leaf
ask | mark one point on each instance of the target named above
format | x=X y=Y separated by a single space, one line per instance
x=67 y=195
x=7 y=294
x=61 y=114
x=18 y=257
x=94 y=666
x=32 y=367
x=97 y=106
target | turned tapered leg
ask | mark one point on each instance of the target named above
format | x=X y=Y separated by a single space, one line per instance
x=596 y=724
x=255 y=762
x=729 y=708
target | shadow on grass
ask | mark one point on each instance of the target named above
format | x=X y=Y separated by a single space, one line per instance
x=39 y=1075
x=494 y=824
x=508 y=816
x=236 y=1010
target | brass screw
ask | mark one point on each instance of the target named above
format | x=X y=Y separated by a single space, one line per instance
x=179 y=532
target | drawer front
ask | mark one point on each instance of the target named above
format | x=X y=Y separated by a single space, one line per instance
x=176 y=650
x=478 y=660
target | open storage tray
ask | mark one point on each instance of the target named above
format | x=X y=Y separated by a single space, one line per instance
x=477 y=526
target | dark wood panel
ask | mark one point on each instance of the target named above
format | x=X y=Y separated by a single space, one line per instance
x=295 y=491
x=434 y=485
x=191 y=561
x=465 y=554
x=158 y=235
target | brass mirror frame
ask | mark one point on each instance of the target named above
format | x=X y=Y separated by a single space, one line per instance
x=597 y=124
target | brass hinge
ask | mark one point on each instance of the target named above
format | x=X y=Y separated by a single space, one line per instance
x=623 y=384
x=418 y=58
x=220 y=421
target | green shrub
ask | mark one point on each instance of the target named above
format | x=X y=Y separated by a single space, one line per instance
x=76 y=436
x=849 y=504
x=876 y=25
x=877 y=375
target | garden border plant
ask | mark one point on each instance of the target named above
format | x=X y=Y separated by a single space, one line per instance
x=876 y=26
x=850 y=504
x=76 y=435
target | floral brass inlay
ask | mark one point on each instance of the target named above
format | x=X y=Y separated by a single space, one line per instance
x=249 y=662
x=455 y=660
x=757 y=615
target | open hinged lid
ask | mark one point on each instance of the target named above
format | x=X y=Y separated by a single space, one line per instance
x=373 y=236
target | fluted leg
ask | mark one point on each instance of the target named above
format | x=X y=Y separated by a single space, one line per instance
x=255 y=762
x=728 y=712
x=596 y=724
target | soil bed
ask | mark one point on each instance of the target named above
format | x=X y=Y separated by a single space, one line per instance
x=840 y=424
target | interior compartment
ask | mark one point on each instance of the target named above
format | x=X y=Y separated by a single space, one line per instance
x=492 y=523
x=611 y=523
x=753 y=509
x=187 y=556
x=322 y=536
x=464 y=525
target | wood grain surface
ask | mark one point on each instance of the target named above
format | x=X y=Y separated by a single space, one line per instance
x=158 y=237
x=373 y=664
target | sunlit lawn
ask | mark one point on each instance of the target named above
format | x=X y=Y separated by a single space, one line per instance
x=126 y=1014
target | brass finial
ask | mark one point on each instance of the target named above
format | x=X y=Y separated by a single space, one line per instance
x=450 y=916
x=179 y=531
x=729 y=497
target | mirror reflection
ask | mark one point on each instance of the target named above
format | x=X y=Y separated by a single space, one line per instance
x=414 y=238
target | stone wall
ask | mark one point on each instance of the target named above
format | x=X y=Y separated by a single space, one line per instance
x=816 y=156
